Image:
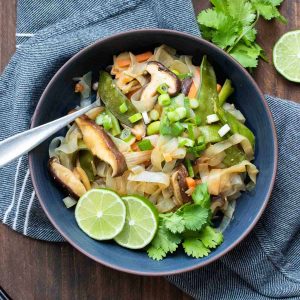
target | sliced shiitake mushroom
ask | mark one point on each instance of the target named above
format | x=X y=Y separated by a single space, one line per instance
x=101 y=145
x=179 y=185
x=186 y=85
x=65 y=178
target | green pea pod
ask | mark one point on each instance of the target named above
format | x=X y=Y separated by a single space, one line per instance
x=234 y=155
x=210 y=133
x=226 y=91
x=86 y=160
x=113 y=98
x=207 y=93
x=235 y=125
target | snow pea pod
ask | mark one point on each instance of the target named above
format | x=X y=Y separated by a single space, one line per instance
x=113 y=98
x=207 y=93
x=86 y=160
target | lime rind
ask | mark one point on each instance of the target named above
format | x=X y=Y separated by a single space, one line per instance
x=100 y=213
x=286 y=55
x=140 y=225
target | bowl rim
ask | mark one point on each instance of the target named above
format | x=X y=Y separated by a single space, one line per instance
x=264 y=103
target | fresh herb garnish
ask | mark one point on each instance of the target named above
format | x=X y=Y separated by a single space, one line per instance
x=230 y=25
x=189 y=225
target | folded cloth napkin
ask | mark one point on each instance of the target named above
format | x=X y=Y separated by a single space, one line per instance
x=266 y=265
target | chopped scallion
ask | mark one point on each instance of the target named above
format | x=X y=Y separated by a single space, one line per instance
x=145 y=145
x=185 y=142
x=153 y=128
x=136 y=117
x=107 y=122
x=154 y=114
x=123 y=108
x=164 y=100
x=163 y=89
x=194 y=103
x=190 y=168
x=191 y=133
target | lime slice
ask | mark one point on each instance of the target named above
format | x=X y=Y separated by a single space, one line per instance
x=286 y=56
x=140 y=225
x=100 y=213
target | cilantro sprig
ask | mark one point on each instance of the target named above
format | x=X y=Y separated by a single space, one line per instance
x=230 y=25
x=188 y=225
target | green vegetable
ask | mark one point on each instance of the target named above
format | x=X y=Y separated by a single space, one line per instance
x=186 y=103
x=235 y=125
x=136 y=117
x=164 y=100
x=163 y=89
x=113 y=98
x=107 y=123
x=201 y=195
x=230 y=25
x=185 y=142
x=123 y=108
x=145 y=145
x=126 y=135
x=183 y=76
x=189 y=167
x=86 y=160
x=226 y=91
x=194 y=103
x=191 y=132
x=167 y=128
x=175 y=72
x=210 y=133
x=189 y=225
x=201 y=140
x=234 y=155
x=153 y=128
x=115 y=129
x=207 y=94
x=154 y=114
x=196 y=150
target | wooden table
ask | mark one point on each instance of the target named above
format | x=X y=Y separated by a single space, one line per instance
x=31 y=269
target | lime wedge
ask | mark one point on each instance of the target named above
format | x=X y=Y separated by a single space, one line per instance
x=140 y=225
x=286 y=55
x=100 y=213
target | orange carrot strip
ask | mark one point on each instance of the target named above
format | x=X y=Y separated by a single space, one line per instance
x=193 y=91
x=143 y=56
x=190 y=182
x=122 y=63
x=219 y=87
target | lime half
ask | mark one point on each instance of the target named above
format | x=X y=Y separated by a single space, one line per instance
x=100 y=213
x=140 y=225
x=286 y=55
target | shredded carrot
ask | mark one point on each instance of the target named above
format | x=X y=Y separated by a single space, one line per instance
x=122 y=63
x=191 y=183
x=219 y=87
x=193 y=91
x=143 y=56
x=135 y=147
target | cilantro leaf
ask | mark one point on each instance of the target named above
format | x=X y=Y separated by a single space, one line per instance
x=210 y=237
x=156 y=253
x=246 y=55
x=201 y=195
x=220 y=5
x=194 y=216
x=195 y=248
x=211 y=18
x=241 y=10
x=175 y=223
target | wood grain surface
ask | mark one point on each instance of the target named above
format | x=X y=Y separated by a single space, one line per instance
x=31 y=269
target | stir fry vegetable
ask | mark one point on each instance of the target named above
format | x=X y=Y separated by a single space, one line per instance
x=165 y=132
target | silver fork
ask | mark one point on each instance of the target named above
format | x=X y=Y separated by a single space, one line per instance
x=21 y=143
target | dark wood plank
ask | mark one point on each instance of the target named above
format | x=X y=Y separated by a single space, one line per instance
x=31 y=269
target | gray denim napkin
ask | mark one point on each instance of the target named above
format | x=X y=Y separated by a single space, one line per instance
x=266 y=265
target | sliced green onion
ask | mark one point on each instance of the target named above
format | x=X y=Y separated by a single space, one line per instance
x=154 y=114
x=196 y=149
x=136 y=117
x=173 y=116
x=175 y=72
x=126 y=132
x=185 y=142
x=181 y=111
x=163 y=89
x=187 y=106
x=176 y=129
x=164 y=100
x=197 y=120
x=194 y=103
x=201 y=140
x=153 y=128
x=99 y=119
x=107 y=123
x=189 y=167
x=191 y=133
x=145 y=145
x=115 y=126
x=123 y=108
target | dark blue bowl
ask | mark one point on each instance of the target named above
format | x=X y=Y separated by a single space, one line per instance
x=58 y=98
